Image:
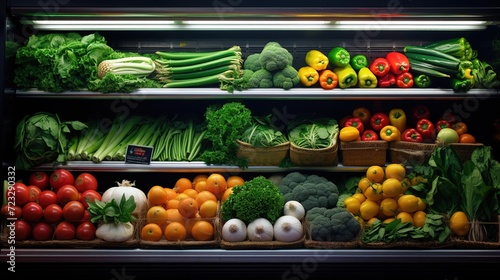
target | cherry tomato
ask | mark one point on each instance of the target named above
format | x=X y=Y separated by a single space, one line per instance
x=86 y=231
x=89 y=196
x=18 y=193
x=66 y=194
x=12 y=211
x=34 y=193
x=65 y=231
x=59 y=178
x=39 y=179
x=53 y=213
x=73 y=211
x=46 y=198
x=42 y=231
x=32 y=212
x=85 y=181
x=466 y=138
x=22 y=230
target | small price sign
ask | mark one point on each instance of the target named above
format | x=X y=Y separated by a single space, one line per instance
x=138 y=154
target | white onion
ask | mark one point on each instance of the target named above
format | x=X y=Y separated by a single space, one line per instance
x=294 y=208
x=129 y=189
x=234 y=230
x=260 y=229
x=288 y=229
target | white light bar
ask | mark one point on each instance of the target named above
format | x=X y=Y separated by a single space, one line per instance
x=256 y=25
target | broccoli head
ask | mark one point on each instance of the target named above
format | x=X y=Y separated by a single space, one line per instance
x=274 y=57
x=261 y=79
x=252 y=62
x=286 y=78
x=334 y=224
x=310 y=190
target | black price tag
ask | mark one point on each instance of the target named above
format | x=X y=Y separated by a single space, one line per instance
x=138 y=154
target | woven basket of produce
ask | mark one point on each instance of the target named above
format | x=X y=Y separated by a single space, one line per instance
x=486 y=236
x=410 y=152
x=364 y=152
x=263 y=155
x=465 y=150
x=314 y=157
x=310 y=243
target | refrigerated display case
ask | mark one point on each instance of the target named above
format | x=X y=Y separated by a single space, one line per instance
x=299 y=27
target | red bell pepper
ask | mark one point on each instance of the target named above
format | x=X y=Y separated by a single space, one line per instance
x=388 y=80
x=411 y=135
x=442 y=124
x=369 y=135
x=379 y=120
x=355 y=122
x=404 y=80
x=426 y=128
x=380 y=67
x=421 y=112
x=398 y=62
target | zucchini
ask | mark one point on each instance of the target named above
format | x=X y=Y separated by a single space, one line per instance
x=449 y=46
x=418 y=63
x=432 y=52
x=453 y=65
x=428 y=71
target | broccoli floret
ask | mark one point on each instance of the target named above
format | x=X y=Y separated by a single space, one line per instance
x=310 y=190
x=334 y=224
x=274 y=57
x=286 y=78
x=261 y=79
x=342 y=197
x=252 y=62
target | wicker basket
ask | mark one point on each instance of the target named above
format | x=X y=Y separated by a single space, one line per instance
x=493 y=241
x=364 y=152
x=410 y=152
x=314 y=157
x=263 y=156
x=316 y=244
x=465 y=150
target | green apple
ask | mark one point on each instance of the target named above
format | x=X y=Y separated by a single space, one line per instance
x=447 y=136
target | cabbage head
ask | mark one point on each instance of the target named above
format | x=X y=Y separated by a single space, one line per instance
x=43 y=138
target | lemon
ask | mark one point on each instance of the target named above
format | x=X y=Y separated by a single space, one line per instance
x=396 y=171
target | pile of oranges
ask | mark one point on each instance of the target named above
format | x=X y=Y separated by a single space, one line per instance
x=381 y=195
x=187 y=210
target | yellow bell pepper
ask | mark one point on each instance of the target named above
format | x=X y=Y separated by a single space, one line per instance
x=397 y=118
x=348 y=134
x=316 y=60
x=366 y=78
x=308 y=75
x=390 y=133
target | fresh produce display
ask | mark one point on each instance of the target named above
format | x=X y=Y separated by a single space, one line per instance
x=334 y=224
x=314 y=134
x=328 y=79
x=317 y=60
x=347 y=76
x=263 y=134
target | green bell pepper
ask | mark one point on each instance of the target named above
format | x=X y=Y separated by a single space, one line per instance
x=346 y=75
x=422 y=81
x=359 y=61
x=339 y=57
x=462 y=85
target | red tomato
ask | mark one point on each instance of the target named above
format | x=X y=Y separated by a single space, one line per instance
x=59 y=178
x=22 y=230
x=34 y=193
x=89 y=196
x=86 y=216
x=18 y=193
x=65 y=231
x=42 y=231
x=9 y=211
x=46 y=198
x=66 y=194
x=73 y=211
x=32 y=212
x=85 y=181
x=53 y=213
x=86 y=231
x=39 y=179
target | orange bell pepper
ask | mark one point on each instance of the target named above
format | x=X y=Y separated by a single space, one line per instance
x=390 y=133
x=328 y=79
x=460 y=128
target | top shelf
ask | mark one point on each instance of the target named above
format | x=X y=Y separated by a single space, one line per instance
x=273 y=93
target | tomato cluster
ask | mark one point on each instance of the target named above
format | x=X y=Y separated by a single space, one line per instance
x=53 y=206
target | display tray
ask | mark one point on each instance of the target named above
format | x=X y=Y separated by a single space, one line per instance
x=314 y=157
x=410 y=152
x=359 y=153
x=263 y=156
x=465 y=150
x=316 y=244
x=492 y=240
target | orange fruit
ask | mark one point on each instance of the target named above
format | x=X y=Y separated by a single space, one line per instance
x=181 y=196
x=234 y=180
x=216 y=183
x=408 y=203
x=374 y=192
x=368 y=209
x=208 y=209
x=388 y=220
x=375 y=173
x=204 y=196
x=466 y=138
x=199 y=178
x=395 y=170
x=419 y=218
x=363 y=183
x=191 y=193
x=226 y=194
x=389 y=206
x=391 y=187
x=352 y=205
x=421 y=204
x=157 y=195
x=172 y=204
x=188 y=207
x=173 y=215
x=202 y=231
x=175 y=231
x=171 y=193
x=359 y=196
x=459 y=223
x=157 y=215
x=183 y=184
x=405 y=217
x=151 y=232
x=201 y=186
